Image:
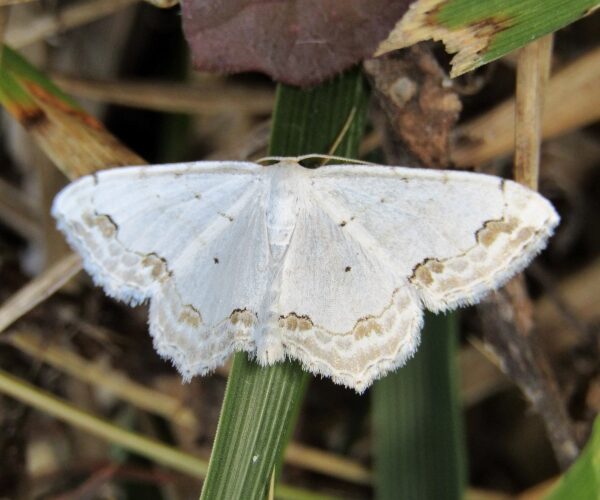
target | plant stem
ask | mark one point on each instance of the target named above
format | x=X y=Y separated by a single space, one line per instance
x=417 y=423
x=261 y=403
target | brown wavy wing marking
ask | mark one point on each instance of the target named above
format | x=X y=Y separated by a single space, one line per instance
x=480 y=268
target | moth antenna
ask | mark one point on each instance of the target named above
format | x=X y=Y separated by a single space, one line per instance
x=267 y=159
x=333 y=157
x=341 y=135
x=325 y=157
x=309 y=156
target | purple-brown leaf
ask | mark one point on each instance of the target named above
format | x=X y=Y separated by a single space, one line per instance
x=300 y=42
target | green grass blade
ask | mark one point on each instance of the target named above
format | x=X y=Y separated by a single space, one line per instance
x=481 y=31
x=417 y=422
x=261 y=404
x=582 y=480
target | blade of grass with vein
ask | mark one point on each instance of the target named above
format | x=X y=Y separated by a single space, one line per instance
x=480 y=32
x=417 y=422
x=261 y=404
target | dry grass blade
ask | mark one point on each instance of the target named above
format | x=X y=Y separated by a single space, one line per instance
x=572 y=100
x=580 y=292
x=163 y=4
x=539 y=491
x=483 y=378
x=327 y=463
x=479 y=494
x=4 y=16
x=51 y=117
x=144 y=446
x=39 y=289
x=169 y=407
x=532 y=74
x=78 y=14
x=17 y=213
x=172 y=97
x=4 y=3
x=104 y=377
x=479 y=377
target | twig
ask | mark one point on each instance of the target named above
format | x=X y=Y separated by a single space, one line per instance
x=17 y=213
x=509 y=312
x=39 y=289
x=5 y=3
x=573 y=95
x=171 y=97
x=508 y=336
x=68 y=18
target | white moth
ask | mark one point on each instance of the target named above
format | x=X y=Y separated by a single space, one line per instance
x=331 y=266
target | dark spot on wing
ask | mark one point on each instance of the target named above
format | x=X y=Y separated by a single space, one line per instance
x=348 y=269
x=216 y=260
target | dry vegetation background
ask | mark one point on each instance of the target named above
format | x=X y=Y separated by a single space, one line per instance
x=131 y=69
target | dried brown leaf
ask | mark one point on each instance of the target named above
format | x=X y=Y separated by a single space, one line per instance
x=422 y=109
x=300 y=42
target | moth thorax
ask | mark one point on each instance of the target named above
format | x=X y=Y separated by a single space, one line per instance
x=282 y=208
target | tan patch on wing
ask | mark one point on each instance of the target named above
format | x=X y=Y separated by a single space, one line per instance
x=375 y=345
x=494 y=228
x=501 y=245
x=366 y=327
x=190 y=316
x=157 y=265
x=104 y=223
x=242 y=317
x=423 y=273
x=293 y=322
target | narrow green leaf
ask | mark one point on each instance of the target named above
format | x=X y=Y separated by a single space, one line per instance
x=261 y=404
x=582 y=480
x=417 y=422
x=482 y=31
x=28 y=75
